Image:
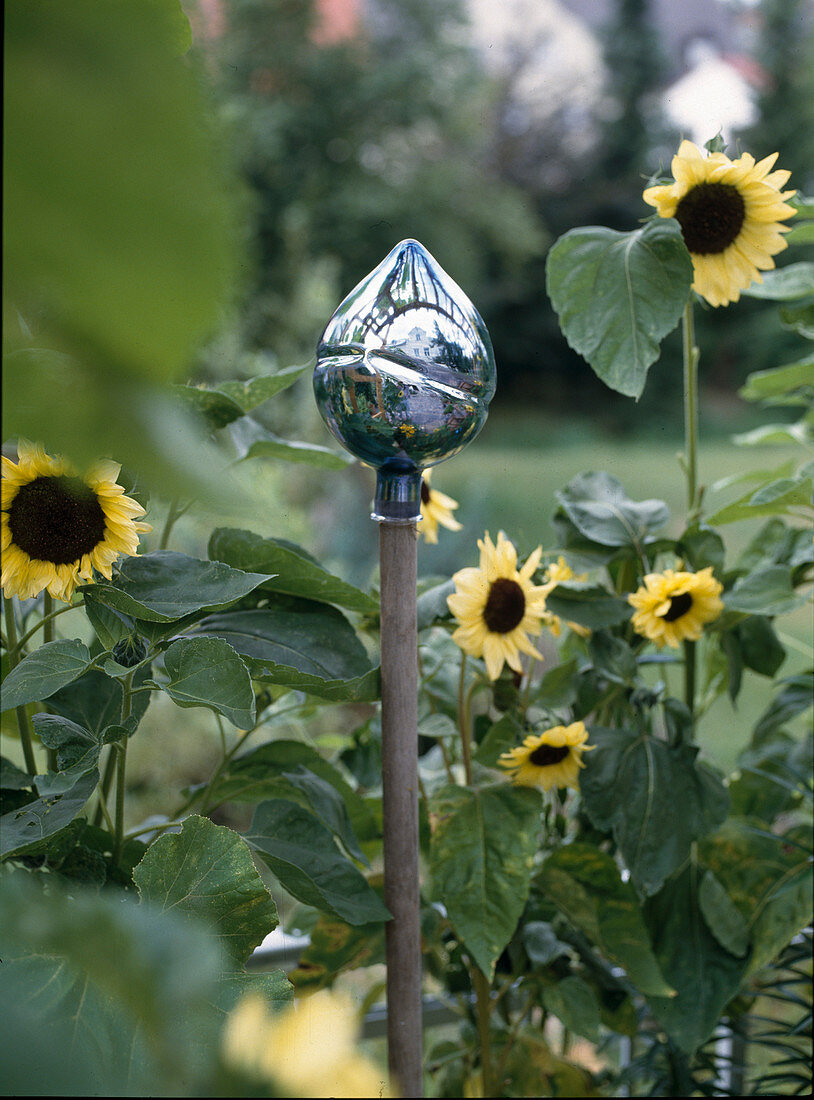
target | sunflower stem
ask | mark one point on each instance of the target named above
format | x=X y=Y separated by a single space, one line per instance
x=174 y=513
x=463 y=726
x=48 y=636
x=484 y=1013
x=104 y=788
x=47 y=618
x=23 y=725
x=121 y=769
x=689 y=677
x=691 y=356
x=30 y=633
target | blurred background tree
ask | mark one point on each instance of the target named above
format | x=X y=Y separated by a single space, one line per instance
x=486 y=131
x=352 y=138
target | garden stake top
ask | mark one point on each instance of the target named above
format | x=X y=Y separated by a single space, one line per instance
x=405 y=373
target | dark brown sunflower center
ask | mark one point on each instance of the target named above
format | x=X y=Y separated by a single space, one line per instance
x=711 y=216
x=679 y=605
x=56 y=519
x=505 y=606
x=425 y=492
x=549 y=754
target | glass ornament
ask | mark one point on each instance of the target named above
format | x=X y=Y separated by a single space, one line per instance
x=404 y=376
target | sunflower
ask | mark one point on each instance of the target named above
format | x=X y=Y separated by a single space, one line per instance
x=673 y=607
x=58 y=527
x=549 y=759
x=729 y=212
x=498 y=606
x=557 y=572
x=436 y=508
x=309 y=1049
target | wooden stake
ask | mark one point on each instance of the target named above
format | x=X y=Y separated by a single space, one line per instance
x=399 y=641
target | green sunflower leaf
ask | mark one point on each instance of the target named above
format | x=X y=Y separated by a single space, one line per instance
x=45 y=671
x=785 y=283
x=254 y=391
x=431 y=606
x=334 y=948
x=94 y=701
x=589 y=605
x=704 y=975
x=206 y=672
x=598 y=506
x=631 y=785
x=767 y=879
x=301 y=852
x=773 y=499
x=722 y=916
x=767 y=591
x=481 y=854
x=585 y=885
x=795 y=381
x=165 y=586
x=206 y=873
x=256 y=776
x=799 y=319
x=252 y=440
x=795 y=697
x=24 y=829
x=290 y=568
x=217 y=408
x=573 y=1002
x=75 y=747
x=300 y=643
x=617 y=295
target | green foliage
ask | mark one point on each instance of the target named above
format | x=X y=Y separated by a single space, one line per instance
x=647 y=900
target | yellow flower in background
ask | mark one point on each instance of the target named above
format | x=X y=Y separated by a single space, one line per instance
x=549 y=759
x=309 y=1049
x=58 y=527
x=730 y=213
x=497 y=606
x=674 y=606
x=557 y=572
x=436 y=510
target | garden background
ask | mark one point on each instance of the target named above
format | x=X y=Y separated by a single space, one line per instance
x=205 y=237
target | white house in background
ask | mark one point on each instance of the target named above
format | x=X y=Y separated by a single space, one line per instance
x=713 y=95
x=554 y=49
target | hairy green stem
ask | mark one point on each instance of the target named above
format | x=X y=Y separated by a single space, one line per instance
x=48 y=636
x=463 y=726
x=691 y=355
x=174 y=513
x=18 y=648
x=103 y=787
x=691 y=467
x=23 y=725
x=47 y=618
x=484 y=1012
x=121 y=769
x=689 y=676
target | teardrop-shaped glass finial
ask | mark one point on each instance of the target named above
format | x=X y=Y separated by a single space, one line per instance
x=405 y=373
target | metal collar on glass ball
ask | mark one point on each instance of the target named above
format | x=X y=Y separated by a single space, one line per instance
x=404 y=376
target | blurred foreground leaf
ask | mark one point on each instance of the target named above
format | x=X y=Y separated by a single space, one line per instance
x=118 y=241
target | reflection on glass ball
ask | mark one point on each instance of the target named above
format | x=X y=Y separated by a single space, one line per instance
x=405 y=369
